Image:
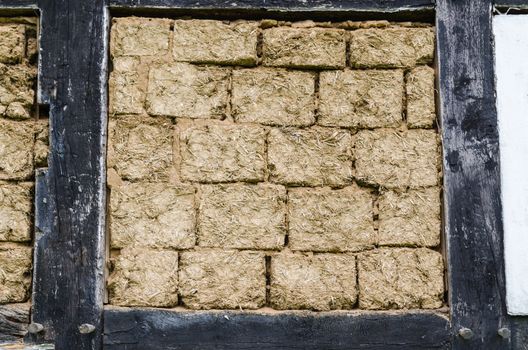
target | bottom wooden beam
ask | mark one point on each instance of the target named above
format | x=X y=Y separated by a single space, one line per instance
x=170 y=330
x=14 y=320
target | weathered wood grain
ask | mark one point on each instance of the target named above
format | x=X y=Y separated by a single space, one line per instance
x=68 y=285
x=160 y=329
x=511 y=3
x=14 y=320
x=336 y=5
x=473 y=212
x=18 y=4
x=321 y=10
x=22 y=346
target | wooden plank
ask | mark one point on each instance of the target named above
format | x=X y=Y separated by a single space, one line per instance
x=473 y=212
x=14 y=320
x=22 y=346
x=335 y=5
x=18 y=7
x=511 y=3
x=18 y=4
x=153 y=329
x=68 y=285
x=319 y=10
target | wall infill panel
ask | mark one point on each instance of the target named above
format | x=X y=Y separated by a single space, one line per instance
x=23 y=149
x=270 y=164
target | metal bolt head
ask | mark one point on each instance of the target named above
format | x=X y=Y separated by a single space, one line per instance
x=504 y=332
x=86 y=328
x=465 y=333
x=35 y=327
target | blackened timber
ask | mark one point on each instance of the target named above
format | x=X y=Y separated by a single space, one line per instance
x=14 y=320
x=336 y=5
x=511 y=3
x=18 y=4
x=320 y=10
x=472 y=206
x=138 y=329
x=69 y=252
x=18 y=7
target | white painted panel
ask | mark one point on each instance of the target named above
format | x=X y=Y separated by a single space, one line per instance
x=511 y=69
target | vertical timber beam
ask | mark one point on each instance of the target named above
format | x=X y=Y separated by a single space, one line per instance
x=69 y=245
x=473 y=211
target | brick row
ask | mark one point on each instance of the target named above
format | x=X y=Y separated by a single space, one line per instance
x=260 y=216
x=388 y=278
x=237 y=43
x=152 y=149
x=274 y=96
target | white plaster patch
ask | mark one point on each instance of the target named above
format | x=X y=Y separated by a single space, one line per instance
x=511 y=66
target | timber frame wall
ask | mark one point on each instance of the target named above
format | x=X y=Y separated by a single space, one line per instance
x=68 y=288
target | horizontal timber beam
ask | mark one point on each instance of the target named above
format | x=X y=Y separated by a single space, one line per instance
x=511 y=3
x=18 y=7
x=418 y=10
x=333 y=5
x=153 y=329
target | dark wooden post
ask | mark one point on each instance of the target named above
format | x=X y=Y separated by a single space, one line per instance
x=69 y=253
x=473 y=211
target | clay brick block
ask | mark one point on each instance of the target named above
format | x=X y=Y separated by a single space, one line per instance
x=391 y=47
x=274 y=97
x=316 y=282
x=226 y=279
x=144 y=277
x=395 y=159
x=32 y=45
x=15 y=273
x=155 y=215
x=12 y=43
x=242 y=216
x=16 y=91
x=140 y=37
x=127 y=96
x=411 y=218
x=15 y=212
x=361 y=98
x=311 y=157
x=187 y=91
x=223 y=153
x=322 y=219
x=140 y=148
x=401 y=278
x=16 y=150
x=41 y=150
x=304 y=48
x=421 y=97
x=208 y=41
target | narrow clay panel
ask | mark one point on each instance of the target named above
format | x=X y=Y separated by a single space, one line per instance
x=23 y=149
